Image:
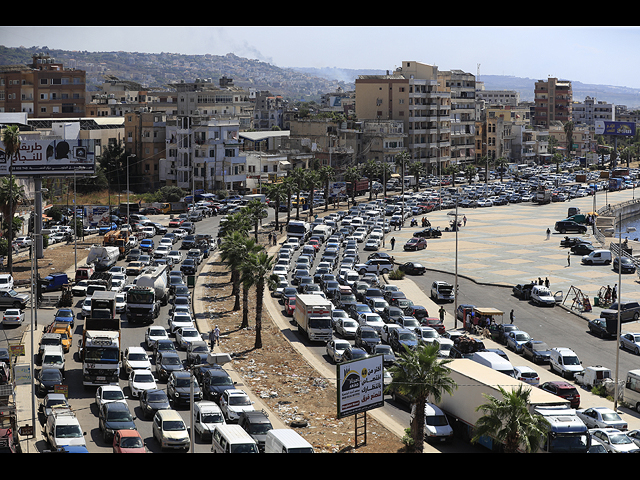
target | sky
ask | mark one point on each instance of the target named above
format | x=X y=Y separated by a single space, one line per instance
x=590 y=54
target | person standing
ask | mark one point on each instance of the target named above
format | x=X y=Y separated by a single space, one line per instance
x=569 y=259
x=548 y=233
x=464 y=221
x=441 y=312
x=393 y=242
x=511 y=317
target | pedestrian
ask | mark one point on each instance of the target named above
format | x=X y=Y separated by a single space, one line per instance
x=548 y=233
x=511 y=316
x=393 y=242
x=569 y=259
x=464 y=221
x=546 y=282
x=441 y=312
x=614 y=293
x=216 y=336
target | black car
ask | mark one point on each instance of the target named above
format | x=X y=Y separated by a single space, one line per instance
x=167 y=363
x=382 y=255
x=629 y=311
x=413 y=268
x=537 y=350
x=522 y=291
x=114 y=416
x=188 y=242
x=367 y=338
x=572 y=241
x=188 y=266
x=428 y=233
x=179 y=388
x=391 y=314
x=48 y=379
x=582 y=249
x=134 y=255
x=153 y=400
x=603 y=328
x=215 y=380
x=627 y=265
x=564 y=226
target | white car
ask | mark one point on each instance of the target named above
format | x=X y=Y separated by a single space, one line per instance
x=426 y=334
x=601 y=417
x=630 y=341
x=109 y=394
x=444 y=346
x=153 y=334
x=180 y=320
x=335 y=349
x=614 y=440
x=135 y=358
x=527 y=375
x=140 y=380
x=372 y=320
x=6 y=282
x=233 y=402
x=176 y=256
x=85 y=311
x=80 y=288
x=13 y=316
x=121 y=302
x=186 y=335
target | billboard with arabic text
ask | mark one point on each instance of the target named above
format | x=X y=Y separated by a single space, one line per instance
x=360 y=385
x=627 y=129
x=50 y=157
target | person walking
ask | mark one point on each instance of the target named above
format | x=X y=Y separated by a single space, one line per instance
x=214 y=336
x=393 y=242
x=548 y=233
x=569 y=259
x=441 y=312
x=546 y=282
x=511 y=317
x=464 y=221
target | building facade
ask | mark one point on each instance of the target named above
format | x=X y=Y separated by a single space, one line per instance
x=553 y=101
x=590 y=110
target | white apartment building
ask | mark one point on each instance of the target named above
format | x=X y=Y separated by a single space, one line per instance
x=591 y=110
x=203 y=154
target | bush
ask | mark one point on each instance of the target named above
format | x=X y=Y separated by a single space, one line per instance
x=396 y=275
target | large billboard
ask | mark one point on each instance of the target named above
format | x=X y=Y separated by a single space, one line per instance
x=360 y=385
x=627 y=129
x=50 y=157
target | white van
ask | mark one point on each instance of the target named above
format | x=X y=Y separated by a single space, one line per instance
x=232 y=438
x=286 y=440
x=631 y=393
x=53 y=357
x=322 y=231
x=495 y=361
x=597 y=257
x=436 y=424
x=565 y=362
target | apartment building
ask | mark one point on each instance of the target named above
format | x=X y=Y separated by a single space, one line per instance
x=203 y=153
x=145 y=138
x=414 y=95
x=268 y=111
x=44 y=89
x=590 y=110
x=463 y=114
x=553 y=101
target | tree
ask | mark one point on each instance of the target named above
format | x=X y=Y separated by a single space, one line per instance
x=470 y=172
x=509 y=421
x=11 y=140
x=401 y=160
x=251 y=247
x=289 y=186
x=385 y=174
x=256 y=211
x=568 y=130
x=500 y=164
x=557 y=159
x=277 y=193
x=297 y=174
x=311 y=182
x=232 y=251
x=352 y=175
x=258 y=273
x=327 y=175
x=417 y=169
x=420 y=374
x=370 y=170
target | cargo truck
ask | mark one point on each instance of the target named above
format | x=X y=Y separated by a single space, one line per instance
x=567 y=433
x=313 y=317
x=156 y=278
x=543 y=195
x=103 y=258
x=142 y=306
x=99 y=349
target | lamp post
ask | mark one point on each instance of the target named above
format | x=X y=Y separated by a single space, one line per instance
x=128 y=217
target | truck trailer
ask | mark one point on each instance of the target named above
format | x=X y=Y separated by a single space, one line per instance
x=567 y=432
x=313 y=317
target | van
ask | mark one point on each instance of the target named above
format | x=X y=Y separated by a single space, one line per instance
x=53 y=357
x=286 y=440
x=565 y=362
x=436 y=424
x=494 y=361
x=232 y=438
x=631 y=392
x=597 y=257
x=322 y=231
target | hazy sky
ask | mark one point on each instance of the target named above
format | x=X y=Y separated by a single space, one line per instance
x=601 y=55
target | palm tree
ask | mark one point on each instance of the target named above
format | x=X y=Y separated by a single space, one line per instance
x=255 y=210
x=289 y=187
x=385 y=173
x=233 y=250
x=258 y=273
x=500 y=164
x=401 y=159
x=11 y=140
x=277 y=193
x=352 y=175
x=470 y=171
x=236 y=222
x=557 y=159
x=370 y=170
x=509 y=421
x=568 y=130
x=311 y=182
x=251 y=247
x=420 y=374
x=327 y=175
x=417 y=169
x=297 y=174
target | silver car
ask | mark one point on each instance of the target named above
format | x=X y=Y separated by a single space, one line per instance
x=630 y=341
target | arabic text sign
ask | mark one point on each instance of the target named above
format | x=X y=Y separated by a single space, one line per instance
x=50 y=157
x=615 y=128
x=360 y=385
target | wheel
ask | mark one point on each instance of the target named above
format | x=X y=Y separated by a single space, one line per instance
x=637 y=352
x=385 y=271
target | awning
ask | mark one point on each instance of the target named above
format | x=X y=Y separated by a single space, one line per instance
x=284 y=162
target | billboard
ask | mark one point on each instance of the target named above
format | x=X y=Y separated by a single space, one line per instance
x=360 y=385
x=627 y=129
x=50 y=157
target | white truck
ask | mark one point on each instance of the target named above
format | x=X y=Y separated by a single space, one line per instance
x=567 y=432
x=298 y=229
x=156 y=278
x=313 y=317
x=103 y=258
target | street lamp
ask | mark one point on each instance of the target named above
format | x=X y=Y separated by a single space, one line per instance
x=128 y=217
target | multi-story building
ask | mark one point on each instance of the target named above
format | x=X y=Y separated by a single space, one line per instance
x=413 y=95
x=44 y=89
x=497 y=97
x=590 y=110
x=268 y=111
x=463 y=114
x=145 y=138
x=203 y=153
x=553 y=101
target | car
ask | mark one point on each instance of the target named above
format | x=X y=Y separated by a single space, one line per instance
x=354 y=353
x=233 y=402
x=428 y=233
x=153 y=400
x=162 y=346
x=335 y=349
x=167 y=363
x=347 y=327
x=48 y=379
x=134 y=268
x=564 y=226
x=366 y=338
x=153 y=334
x=372 y=320
x=170 y=430
x=582 y=249
x=412 y=268
x=13 y=299
x=565 y=361
x=140 y=380
x=537 y=350
x=121 y=302
x=12 y=316
x=147 y=245
x=629 y=311
x=186 y=335
x=109 y=394
x=527 y=375
x=114 y=416
x=542 y=296
x=499 y=334
x=634 y=435
x=563 y=389
x=388 y=356
x=128 y=441
x=65 y=315
x=402 y=338
x=385 y=334
x=63 y=430
x=614 y=440
x=414 y=244
x=522 y=290
x=601 y=417
x=630 y=341
x=426 y=335
x=600 y=327
x=435 y=323
x=516 y=339
x=197 y=353
x=53 y=401
x=23 y=241
x=214 y=381
x=180 y=320
x=135 y=358
x=376 y=265
x=372 y=244
x=627 y=265
x=179 y=388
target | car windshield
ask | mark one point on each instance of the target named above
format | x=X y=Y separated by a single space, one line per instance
x=571 y=360
x=113 y=395
x=144 y=378
x=522 y=337
x=239 y=400
x=68 y=431
x=171 y=360
x=131 y=442
x=173 y=426
x=619 y=439
x=538 y=347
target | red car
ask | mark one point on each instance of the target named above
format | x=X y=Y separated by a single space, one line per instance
x=175 y=222
x=315 y=244
x=128 y=441
x=563 y=389
x=415 y=243
x=434 y=323
x=289 y=305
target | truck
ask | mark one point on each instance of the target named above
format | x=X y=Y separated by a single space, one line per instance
x=99 y=348
x=361 y=187
x=313 y=317
x=119 y=239
x=103 y=258
x=155 y=278
x=64 y=330
x=616 y=184
x=298 y=229
x=543 y=195
x=567 y=433
x=142 y=305
x=54 y=281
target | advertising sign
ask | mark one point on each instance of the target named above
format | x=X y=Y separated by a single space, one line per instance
x=360 y=385
x=627 y=129
x=50 y=157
